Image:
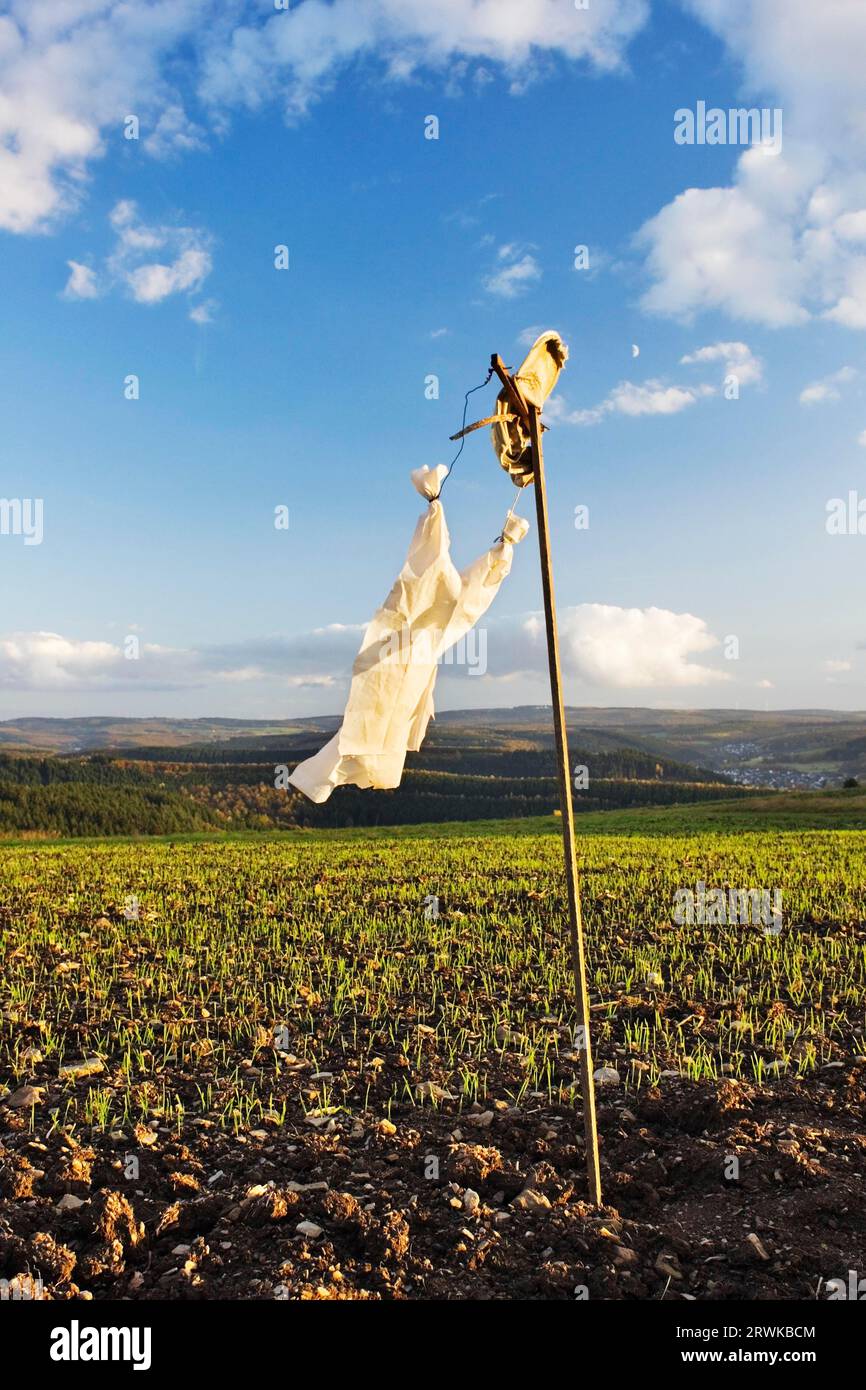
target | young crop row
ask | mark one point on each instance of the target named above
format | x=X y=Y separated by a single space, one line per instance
x=244 y=982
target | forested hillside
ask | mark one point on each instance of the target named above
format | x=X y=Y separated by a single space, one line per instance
x=151 y=791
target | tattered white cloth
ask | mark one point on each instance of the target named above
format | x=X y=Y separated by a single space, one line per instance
x=430 y=608
x=536 y=377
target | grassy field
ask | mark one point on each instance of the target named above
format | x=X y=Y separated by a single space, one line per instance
x=238 y=937
x=303 y=988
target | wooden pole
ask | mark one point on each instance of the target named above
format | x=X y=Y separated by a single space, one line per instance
x=578 y=953
x=531 y=416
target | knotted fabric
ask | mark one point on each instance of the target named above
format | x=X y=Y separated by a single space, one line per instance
x=430 y=608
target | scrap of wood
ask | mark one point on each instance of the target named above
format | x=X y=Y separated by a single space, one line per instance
x=479 y=424
x=757 y=1245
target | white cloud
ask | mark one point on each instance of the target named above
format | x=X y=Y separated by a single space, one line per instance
x=311 y=682
x=628 y=648
x=850 y=308
x=72 y=70
x=203 y=312
x=515 y=273
x=722 y=248
x=69 y=74
x=296 y=60
x=156 y=281
x=785 y=241
x=652 y=398
x=601 y=645
x=47 y=661
x=527 y=336
x=241 y=675
x=50 y=661
x=82 y=282
x=738 y=360
x=184 y=264
x=851 y=226
x=812 y=55
x=150 y=281
x=174 y=134
x=827 y=389
x=861 y=439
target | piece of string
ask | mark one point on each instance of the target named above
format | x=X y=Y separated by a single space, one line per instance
x=517 y=492
x=470 y=392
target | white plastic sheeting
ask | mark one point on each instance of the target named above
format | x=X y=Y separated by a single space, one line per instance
x=429 y=609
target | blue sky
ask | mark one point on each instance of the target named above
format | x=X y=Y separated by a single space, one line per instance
x=411 y=257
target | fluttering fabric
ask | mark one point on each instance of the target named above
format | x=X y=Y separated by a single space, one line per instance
x=430 y=608
x=536 y=378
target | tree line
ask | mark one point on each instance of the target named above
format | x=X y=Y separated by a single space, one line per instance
x=99 y=794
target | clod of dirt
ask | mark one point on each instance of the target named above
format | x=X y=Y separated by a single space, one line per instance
x=272 y=1204
x=17 y=1176
x=470 y=1164
x=391 y=1240
x=52 y=1261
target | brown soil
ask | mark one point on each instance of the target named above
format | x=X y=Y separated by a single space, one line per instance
x=215 y=1215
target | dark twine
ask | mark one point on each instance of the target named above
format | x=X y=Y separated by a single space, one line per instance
x=470 y=392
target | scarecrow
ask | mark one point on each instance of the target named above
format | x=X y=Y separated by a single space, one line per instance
x=431 y=607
